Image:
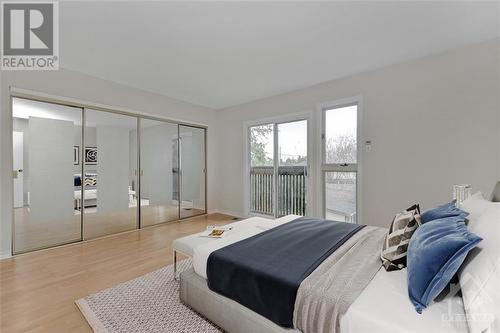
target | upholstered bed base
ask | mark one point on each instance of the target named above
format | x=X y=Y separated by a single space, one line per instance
x=227 y=314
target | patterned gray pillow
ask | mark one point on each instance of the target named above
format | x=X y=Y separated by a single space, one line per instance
x=396 y=242
x=90 y=180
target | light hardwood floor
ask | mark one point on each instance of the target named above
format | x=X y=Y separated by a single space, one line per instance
x=38 y=289
x=30 y=236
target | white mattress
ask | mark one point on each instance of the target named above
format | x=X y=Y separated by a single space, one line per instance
x=384 y=306
x=89 y=194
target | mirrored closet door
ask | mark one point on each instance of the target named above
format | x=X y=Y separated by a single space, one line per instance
x=159 y=172
x=80 y=173
x=110 y=195
x=45 y=137
x=192 y=170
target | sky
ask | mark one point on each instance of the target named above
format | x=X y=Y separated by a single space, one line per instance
x=292 y=137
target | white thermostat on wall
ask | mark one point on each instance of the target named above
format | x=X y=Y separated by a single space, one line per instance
x=368 y=146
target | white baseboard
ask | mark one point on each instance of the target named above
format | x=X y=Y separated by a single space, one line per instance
x=227 y=212
x=5 y=255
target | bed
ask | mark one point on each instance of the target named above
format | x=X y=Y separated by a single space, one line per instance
x=382 y=305
x=90 y=197
x=90 y=190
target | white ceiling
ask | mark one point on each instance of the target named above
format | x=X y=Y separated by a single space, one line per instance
x=219 y=54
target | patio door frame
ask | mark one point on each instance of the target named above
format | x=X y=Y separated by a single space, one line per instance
x=275 y=121
x=324 y=167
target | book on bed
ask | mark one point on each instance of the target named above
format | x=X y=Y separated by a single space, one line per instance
x=215 y=231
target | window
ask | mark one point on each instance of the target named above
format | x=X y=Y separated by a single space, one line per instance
x=339 y=168
x=261 y=145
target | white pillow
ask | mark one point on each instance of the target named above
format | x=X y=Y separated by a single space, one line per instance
x=480 y=273
x=475 y=205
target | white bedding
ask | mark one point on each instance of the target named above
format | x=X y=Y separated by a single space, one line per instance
x=383 y=306
x=89 y=194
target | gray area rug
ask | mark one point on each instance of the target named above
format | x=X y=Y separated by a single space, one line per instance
x=149 y=303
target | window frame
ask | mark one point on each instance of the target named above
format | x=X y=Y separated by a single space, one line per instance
x=340 y=167
x=288 y=118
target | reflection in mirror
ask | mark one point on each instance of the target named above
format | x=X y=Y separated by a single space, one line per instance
x=110 y=156
x=192 y=153
x=44 y=162
x=66 y=191
x=159 y=172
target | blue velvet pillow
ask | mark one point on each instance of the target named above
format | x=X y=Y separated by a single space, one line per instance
x=446 y=210
x=435 y=253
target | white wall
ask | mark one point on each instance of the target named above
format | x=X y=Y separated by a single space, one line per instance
x=112 y=169
x=71 y=84
x=51 y=180
x=192 y=164
x=498 y=115
x=156 y=162
x=433 y=123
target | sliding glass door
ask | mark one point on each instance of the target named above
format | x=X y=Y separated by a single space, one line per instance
x=45 y=162
x=292 y=168
x=278 y=168
x=261 y=158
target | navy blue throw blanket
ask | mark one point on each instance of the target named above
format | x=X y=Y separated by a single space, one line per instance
x=264 y=272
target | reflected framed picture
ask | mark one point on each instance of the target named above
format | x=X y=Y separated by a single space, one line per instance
x=76 y=155
x=91 y=155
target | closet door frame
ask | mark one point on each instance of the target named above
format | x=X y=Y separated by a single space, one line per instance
x=179 y=159
x=81 y=154
x=82 y=159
